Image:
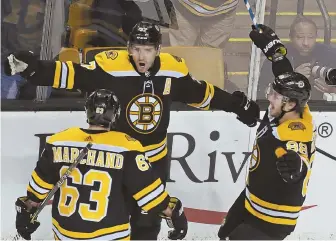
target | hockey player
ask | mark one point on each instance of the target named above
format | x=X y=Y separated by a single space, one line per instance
x=146 y=81
x=282 y=157
x=91 y=202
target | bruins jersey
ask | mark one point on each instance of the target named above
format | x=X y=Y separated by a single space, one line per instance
x=272 y=204
x=145 y=98
x=91 y=202
x=206 y=8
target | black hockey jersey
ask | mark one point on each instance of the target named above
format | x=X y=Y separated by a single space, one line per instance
x=272 y=204
x=91 y=202
x=145 y=98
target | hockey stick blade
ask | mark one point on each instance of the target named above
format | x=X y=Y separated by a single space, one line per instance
x=45 y=201
x=317 y=149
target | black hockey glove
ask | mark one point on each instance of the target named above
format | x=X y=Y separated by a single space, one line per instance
x=23 y=223
x=268 y=42
x=22 y=62
x=248 y=112
x=291 y=167
x=178 y=220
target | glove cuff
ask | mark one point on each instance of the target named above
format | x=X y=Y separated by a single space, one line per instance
x=280 y=54
x=240 y=101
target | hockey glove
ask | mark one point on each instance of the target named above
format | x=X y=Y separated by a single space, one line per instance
x=23 y=63
x=24 y=225
x=248 y=111
x=291 y=167
x=268 y=42
x=177 y=221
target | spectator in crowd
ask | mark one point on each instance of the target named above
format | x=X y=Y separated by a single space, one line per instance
x=21 y=28
x=203 y=22
x=304 y=53
x=206 y=23
x=118 y=16
x=9 y=84
x=6 y=8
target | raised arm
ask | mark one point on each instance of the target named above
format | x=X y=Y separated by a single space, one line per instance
x=270 y=44
x=205 y=96
x=62 y=75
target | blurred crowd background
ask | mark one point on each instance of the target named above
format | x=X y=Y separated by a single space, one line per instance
x=216 y=29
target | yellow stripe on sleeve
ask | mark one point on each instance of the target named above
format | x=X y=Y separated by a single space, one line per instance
x=269 y=219
x=155 y=202
x=209 y=93
x=158 y=156
x=40 y=182
x=71 y=75
x=154 y=146
x=147 y=189
x=274 y=206
x=36 y=194
x=57 y=75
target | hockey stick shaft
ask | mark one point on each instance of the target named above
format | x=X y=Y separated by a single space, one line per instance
x=326 y=154
x=61 y=181
x=317 y=149
x=252 y=16
x=46 y=200
x=159 y=12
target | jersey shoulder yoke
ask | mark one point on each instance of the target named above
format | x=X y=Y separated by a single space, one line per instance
x=301 y=129
x=114 y=61
x=172 y=65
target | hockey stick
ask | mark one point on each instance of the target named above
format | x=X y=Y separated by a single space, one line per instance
x=45 y=201
x=159 y=13
x=252 y=16
x=317 y=149
x=326 y=154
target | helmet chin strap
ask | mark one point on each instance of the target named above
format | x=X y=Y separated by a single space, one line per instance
x=283 y=112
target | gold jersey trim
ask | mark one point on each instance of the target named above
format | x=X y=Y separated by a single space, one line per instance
x=121 y=65
x=64 y=77
x=296 y=130
x=271 y=212
x=156 y=152
x=109 y=141
x=151 y=196
x=38 y=187
x=209 y=94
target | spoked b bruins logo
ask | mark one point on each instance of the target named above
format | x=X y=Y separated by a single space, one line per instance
x=144 y=112
x=255 y=158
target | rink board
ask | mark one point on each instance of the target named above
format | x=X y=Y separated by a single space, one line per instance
x=208 y=168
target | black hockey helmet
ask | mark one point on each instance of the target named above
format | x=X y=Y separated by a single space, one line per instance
x=293 y=87
x=102 y=108
x=145 y=33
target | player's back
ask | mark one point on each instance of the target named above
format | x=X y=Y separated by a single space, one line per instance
x=90 y=204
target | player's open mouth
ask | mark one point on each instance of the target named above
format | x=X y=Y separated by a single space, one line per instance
x=142 y=64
